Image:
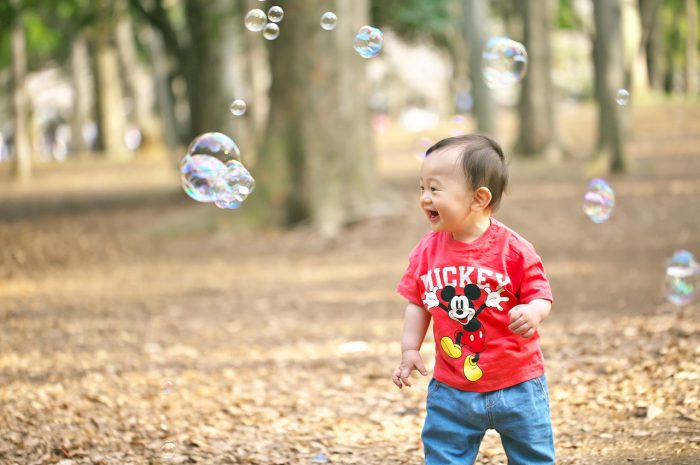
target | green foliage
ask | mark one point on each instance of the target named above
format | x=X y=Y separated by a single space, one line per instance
x=566 y=16
x=416 y=18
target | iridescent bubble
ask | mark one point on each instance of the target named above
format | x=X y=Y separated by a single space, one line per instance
x=167 y=387
x=599 y=200
x=167 y=452
x=234 y=186
x=622 y=97
x=215 y=144
x=682 y=278
x=255 y=20
x=424 y=143
x=275 y=14
x=504 y=62
x=319 y=458
x=459 y=125
x=271 y=31
x=329 y=20
x=199 y=174
x=368 y=41
x=238 y=107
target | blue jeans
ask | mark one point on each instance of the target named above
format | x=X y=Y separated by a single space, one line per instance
x=457 y=420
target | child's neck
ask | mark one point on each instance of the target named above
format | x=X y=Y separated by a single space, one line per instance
x=473 y=229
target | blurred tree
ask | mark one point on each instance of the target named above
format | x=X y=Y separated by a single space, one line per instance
x=316 y=161
x=414 y=19
x=474 y=21
x=691 y=47
x=536 y=109
x=22 y=168
x=652 y=42
x=609 y=78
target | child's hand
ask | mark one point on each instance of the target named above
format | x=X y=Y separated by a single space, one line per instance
x=524 y=320
x=410 y=360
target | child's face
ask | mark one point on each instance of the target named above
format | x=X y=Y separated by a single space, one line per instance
x=445 y=196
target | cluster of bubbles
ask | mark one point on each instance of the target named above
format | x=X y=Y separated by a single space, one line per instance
x=211 y=171
x=599 y=201
x=368 y=41
x=256 y=20
x=682 y=278
x=329 y=21
x=504 y=62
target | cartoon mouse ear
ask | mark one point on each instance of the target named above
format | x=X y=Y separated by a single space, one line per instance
x=472 y=291
x=447 y=293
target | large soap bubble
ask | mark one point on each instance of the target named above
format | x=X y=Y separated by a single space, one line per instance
x=504 y=62
x=682 y=278
x=215 y=144
x=199 y=175
x=368 y=41
x=599 y=201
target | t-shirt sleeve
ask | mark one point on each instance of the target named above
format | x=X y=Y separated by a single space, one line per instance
x=534 y=283
x=408 y=286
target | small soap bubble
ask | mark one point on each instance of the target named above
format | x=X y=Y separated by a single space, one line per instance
x=459 y=125
x=682 y=278
x=167 y=387
x=215 y=144
x=329 y=20
x=275 y=14
x=271 y=31
x=368 y=41
x=199 y=174
x=319 y=458
x=167 y=451
x=504 y=62
x=599 y=200
x=622 y=97
x=238 y=107
x=424 y=143
x=234 y=186
x=255 y=20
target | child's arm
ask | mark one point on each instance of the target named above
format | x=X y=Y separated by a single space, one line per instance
x=525 y=318
x=415 y=324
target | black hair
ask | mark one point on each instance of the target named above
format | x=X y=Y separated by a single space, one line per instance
x=483 y=163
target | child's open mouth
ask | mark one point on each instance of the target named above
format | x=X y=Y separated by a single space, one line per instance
x=433 y=215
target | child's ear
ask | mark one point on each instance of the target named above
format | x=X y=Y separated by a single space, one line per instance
x=481 y=199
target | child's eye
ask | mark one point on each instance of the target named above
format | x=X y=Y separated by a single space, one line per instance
x=432 y=189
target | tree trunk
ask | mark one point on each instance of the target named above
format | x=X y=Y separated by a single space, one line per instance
x=316 y=161
x=652 y=42
x=475 y=16
x=691 y=48
x=134 y=77
x=537 y=133
x=22 y=168
x=164 y=94
x=83 y=89
x=609 y=78
x=111 y=118
x=635 y=63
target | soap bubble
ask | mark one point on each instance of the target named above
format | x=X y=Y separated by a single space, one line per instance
x=199 y=174
x=329 y=20
x=368 y=41
x=167 y=451
x=682 y=278
x=459 y=125
x=234 y=186
x=504 y=62
x=275 y=14
x=215 y=144
x=424 y=143
x=271 y=31
x=319 y=458
x=167 y=387
x=255 y=20
x=622 y=97
x=238 y=107
x=599 y=200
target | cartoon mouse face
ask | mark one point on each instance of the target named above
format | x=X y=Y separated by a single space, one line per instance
x=461 y=307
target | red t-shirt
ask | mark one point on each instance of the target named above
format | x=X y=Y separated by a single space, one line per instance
x=463 y=285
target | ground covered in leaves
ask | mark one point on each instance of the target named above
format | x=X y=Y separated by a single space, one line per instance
x=138 y=327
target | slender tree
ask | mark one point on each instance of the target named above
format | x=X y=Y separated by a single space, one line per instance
x=475 y=12
x=536 y=109
x=22 y=169
x=691 y=47
x=609 y=79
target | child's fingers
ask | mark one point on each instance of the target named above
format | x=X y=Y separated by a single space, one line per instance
x=395 y=378
x=405 y=372
x=421 y=368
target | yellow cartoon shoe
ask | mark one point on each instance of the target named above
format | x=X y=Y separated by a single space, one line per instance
x=471 y=369
x=450 y=348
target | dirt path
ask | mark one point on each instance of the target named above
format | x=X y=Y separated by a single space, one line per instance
x=139 y=327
